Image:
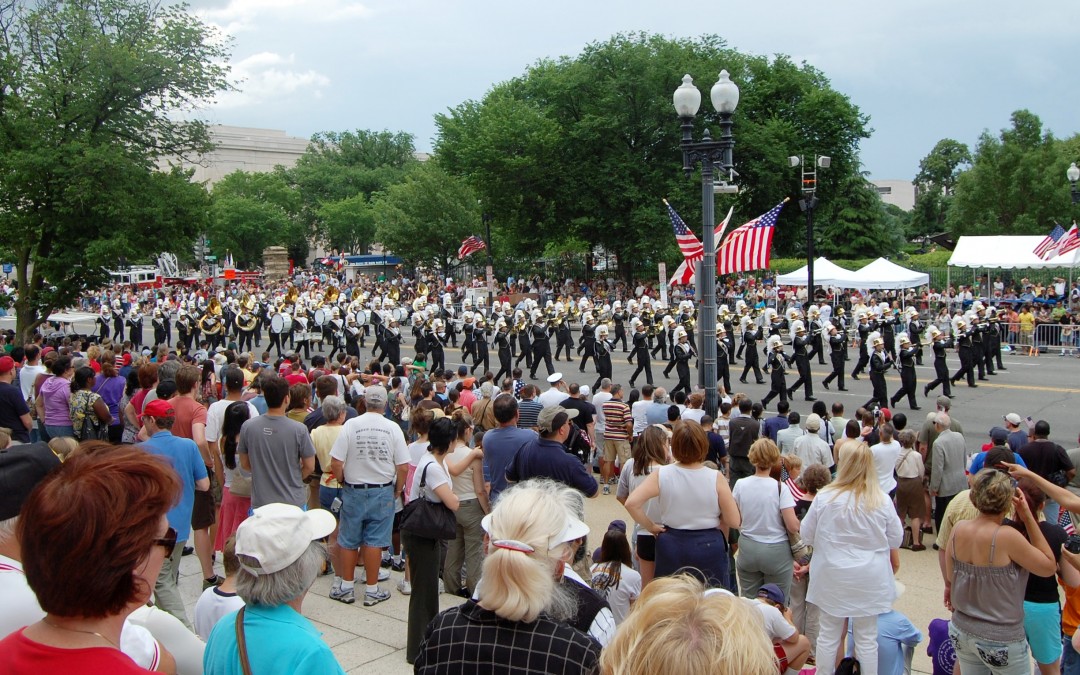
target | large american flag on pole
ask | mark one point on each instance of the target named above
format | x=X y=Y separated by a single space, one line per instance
x=689 y=245
x=1048 y=245
x=470 y=246
x=1070 y=241
x=748 y=246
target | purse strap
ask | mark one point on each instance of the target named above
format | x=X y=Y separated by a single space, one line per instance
x=241 y=643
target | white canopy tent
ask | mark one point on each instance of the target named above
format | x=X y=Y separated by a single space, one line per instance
x=826 y=273
x=883 y=274
x=1006 y=252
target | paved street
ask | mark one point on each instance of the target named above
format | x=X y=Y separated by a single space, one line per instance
x=1044 y=387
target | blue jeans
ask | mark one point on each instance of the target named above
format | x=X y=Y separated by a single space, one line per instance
x=1070 y=660
x=57 y=432
x=702 y=553
x=978 y=656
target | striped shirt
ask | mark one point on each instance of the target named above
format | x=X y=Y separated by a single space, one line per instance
x=616 y=418
x=529 y=413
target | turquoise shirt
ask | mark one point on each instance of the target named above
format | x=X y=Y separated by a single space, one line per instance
x=278 y=639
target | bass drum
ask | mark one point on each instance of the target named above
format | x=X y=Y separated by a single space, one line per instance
x=320 y=317
x=400 y=315
x=361 y=317
x=280 y=323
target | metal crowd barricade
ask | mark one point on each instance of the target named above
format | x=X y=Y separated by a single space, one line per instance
x=1063 y=339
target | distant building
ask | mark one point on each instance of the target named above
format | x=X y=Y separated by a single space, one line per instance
x=246 y=149
x=901 y=193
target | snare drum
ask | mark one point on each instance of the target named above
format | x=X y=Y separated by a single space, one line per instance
x=400 y=315
x=361 y=317
x=320 y=317
x=280 y=323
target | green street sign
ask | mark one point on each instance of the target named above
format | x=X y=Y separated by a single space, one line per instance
x=211 y=258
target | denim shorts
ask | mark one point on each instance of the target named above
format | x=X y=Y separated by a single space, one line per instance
x=1042 y=623
x=978 y=655
x=367 y=517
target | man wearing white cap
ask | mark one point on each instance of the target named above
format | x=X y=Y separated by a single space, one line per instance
x=556 y=393
x=280 y=556
x=370 y=459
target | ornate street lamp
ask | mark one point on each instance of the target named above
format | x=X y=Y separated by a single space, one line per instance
x=710 y=154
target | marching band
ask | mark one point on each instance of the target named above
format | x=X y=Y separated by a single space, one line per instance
x=337 y=320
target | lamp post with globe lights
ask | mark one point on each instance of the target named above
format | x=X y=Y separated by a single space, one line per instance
x=710 y=154
x=1073 y=174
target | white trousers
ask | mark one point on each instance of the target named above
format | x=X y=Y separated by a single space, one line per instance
x=828 y=642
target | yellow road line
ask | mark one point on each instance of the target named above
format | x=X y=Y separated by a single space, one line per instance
x=1028 y=387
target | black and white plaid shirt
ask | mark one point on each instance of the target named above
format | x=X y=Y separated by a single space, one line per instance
x=471 y=639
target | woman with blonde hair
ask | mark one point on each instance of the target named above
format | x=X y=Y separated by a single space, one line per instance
x=695 y=510
x=854 y=530
x=517 y=622
x=651 y=451
x=677 y=627
x=768 y=509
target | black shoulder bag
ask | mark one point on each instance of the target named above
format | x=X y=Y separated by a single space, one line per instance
x=428 y=519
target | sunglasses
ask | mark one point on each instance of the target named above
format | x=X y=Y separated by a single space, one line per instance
x=168 y=542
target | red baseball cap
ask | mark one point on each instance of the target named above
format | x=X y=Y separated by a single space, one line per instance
x=7 y=364
x=159 y=408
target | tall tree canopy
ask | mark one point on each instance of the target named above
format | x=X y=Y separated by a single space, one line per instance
x=337 y=177
x=938 y=173
x=425 y=218
x=251 y=211
x=92 y=94
x=1016 y=183
x=588 y=146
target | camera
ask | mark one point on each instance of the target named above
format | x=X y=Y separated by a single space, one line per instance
x=1072 y=544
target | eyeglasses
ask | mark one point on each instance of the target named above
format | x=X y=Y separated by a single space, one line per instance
x=168 y=542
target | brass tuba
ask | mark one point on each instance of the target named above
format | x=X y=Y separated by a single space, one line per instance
x=422 y=290
x=331 y=295
x=248 y=303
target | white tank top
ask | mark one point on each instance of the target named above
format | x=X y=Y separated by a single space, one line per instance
x=688 y=498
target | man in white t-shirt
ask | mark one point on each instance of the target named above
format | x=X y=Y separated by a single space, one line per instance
x=27 y=374
x=598 y=400
x=370 y=459
x=886 y=453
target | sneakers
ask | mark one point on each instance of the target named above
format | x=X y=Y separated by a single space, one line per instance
x=385 y=560
x=342 y=595
x=384 y=575
x=404 y=587
x=398 y=565
x=607 y=490
x=212 y=581
x=371 y=599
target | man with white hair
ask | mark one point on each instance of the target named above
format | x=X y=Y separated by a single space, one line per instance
x=949 y=462
x=280 y=557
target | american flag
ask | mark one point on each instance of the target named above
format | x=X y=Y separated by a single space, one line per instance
x=470 y=246
x=692 y=249
x=749 y=245
x=1069 y=242
x=1065 y=521
x=1048 y=245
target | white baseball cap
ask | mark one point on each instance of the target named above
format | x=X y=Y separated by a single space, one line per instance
x=276 y=535
x=573 y=530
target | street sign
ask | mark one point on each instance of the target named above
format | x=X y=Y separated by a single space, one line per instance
x=8 y=268
x=211 y=258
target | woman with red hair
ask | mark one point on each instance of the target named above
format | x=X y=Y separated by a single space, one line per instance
x=106 y=505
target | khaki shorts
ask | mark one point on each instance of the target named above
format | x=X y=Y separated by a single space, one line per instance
x=620 y=449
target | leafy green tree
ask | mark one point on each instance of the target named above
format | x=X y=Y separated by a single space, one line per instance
x=252 y=211
x=341 y=166
x=425 y=218
x=1016 y=183
x=938 y=173
x=94 y=95
x=857 y=226
x=587 y=146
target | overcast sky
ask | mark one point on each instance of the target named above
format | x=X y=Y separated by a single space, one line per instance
x=921 y=69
